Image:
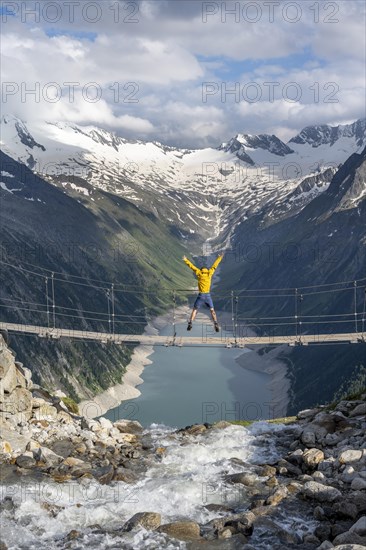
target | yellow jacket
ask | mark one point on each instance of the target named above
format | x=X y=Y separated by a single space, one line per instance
x=204 y=276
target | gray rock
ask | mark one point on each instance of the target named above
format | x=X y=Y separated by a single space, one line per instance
x=25 y=460
x=104 y=474
x=19 y=401
x=360 y=410
x=358 y=498
x=308 y=438
x=51 y=459
x=320 y=492
x=147 y=520
x=332 y=439
x=319 y=476
x=319 y=513
x=323 y=531
x=8 y=373
x=24 y=376
x=345 y=509
x=128 y=426
x=360 y=527
x=63 y=447
x=285 y=467
x=327 y=465
x=244 y=478
x=181 y=530
x=349 y=538
x=296 y=457
x=358 y=484
x=307 y=413
x=349 y=547
x=326 y=545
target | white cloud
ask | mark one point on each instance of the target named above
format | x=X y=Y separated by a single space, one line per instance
x=162 y=60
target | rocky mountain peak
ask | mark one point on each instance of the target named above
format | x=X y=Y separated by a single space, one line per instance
x=329 y=135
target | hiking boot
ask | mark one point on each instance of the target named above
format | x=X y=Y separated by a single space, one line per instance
x=217 y=328
x=189 y=326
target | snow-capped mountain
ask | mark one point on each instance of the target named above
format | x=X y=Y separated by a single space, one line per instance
x=329 y=135
x=241 y=142
x=202 y=193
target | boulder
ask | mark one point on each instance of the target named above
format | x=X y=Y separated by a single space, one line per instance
x=345 y=509
x=51 y=459
x=63 y=447
x=349 y=537
x=350 y=456
x=25 y=460
x=128 y=426
x=359 y=527
x=8 y=372
x=45 y=412
x=308 y=438
x=360 y=410
x=106 y=424
x=244 y=478
x=123 y=474
x=277 y=496
x=18 y=403
x=312 y=457
x=307 y=413
x=321 y=493
x=358 y=498
x=148 y=520
x=358 y=484
x=196 y=429
x=26 y=375
x=181 y=530
x=103 y=474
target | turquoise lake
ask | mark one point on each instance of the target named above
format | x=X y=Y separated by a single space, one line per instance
x=184 y=386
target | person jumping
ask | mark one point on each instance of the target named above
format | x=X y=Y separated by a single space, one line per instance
x=204 y=276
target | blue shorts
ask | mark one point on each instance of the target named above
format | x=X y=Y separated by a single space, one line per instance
x=203 y=298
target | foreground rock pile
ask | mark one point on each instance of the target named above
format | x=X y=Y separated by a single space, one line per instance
x=319 y=477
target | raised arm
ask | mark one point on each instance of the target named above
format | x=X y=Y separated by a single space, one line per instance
x=216 y=263
x=190 y=265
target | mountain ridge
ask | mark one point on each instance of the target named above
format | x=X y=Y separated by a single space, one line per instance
x=203 y=193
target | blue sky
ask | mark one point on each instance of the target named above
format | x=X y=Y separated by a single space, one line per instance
x=150 y=61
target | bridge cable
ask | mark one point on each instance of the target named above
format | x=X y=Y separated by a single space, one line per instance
x=53 y=300
x=355 y=304
x=174 y=306
x=112 y=298
x=165 y=288
x=236 y=317
x=47 y=303
x=107 y=291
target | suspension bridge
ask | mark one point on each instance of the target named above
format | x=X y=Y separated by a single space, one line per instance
x=298 y=323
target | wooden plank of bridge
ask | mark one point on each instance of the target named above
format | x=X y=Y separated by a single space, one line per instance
x=206 y=340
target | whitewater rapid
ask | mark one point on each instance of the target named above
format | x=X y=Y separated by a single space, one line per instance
x=189 y=477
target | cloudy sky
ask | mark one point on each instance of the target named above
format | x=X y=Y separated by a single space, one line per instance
x=186 y=73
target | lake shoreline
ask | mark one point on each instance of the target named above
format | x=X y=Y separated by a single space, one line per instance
x=267 y=363
x=115 y=395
